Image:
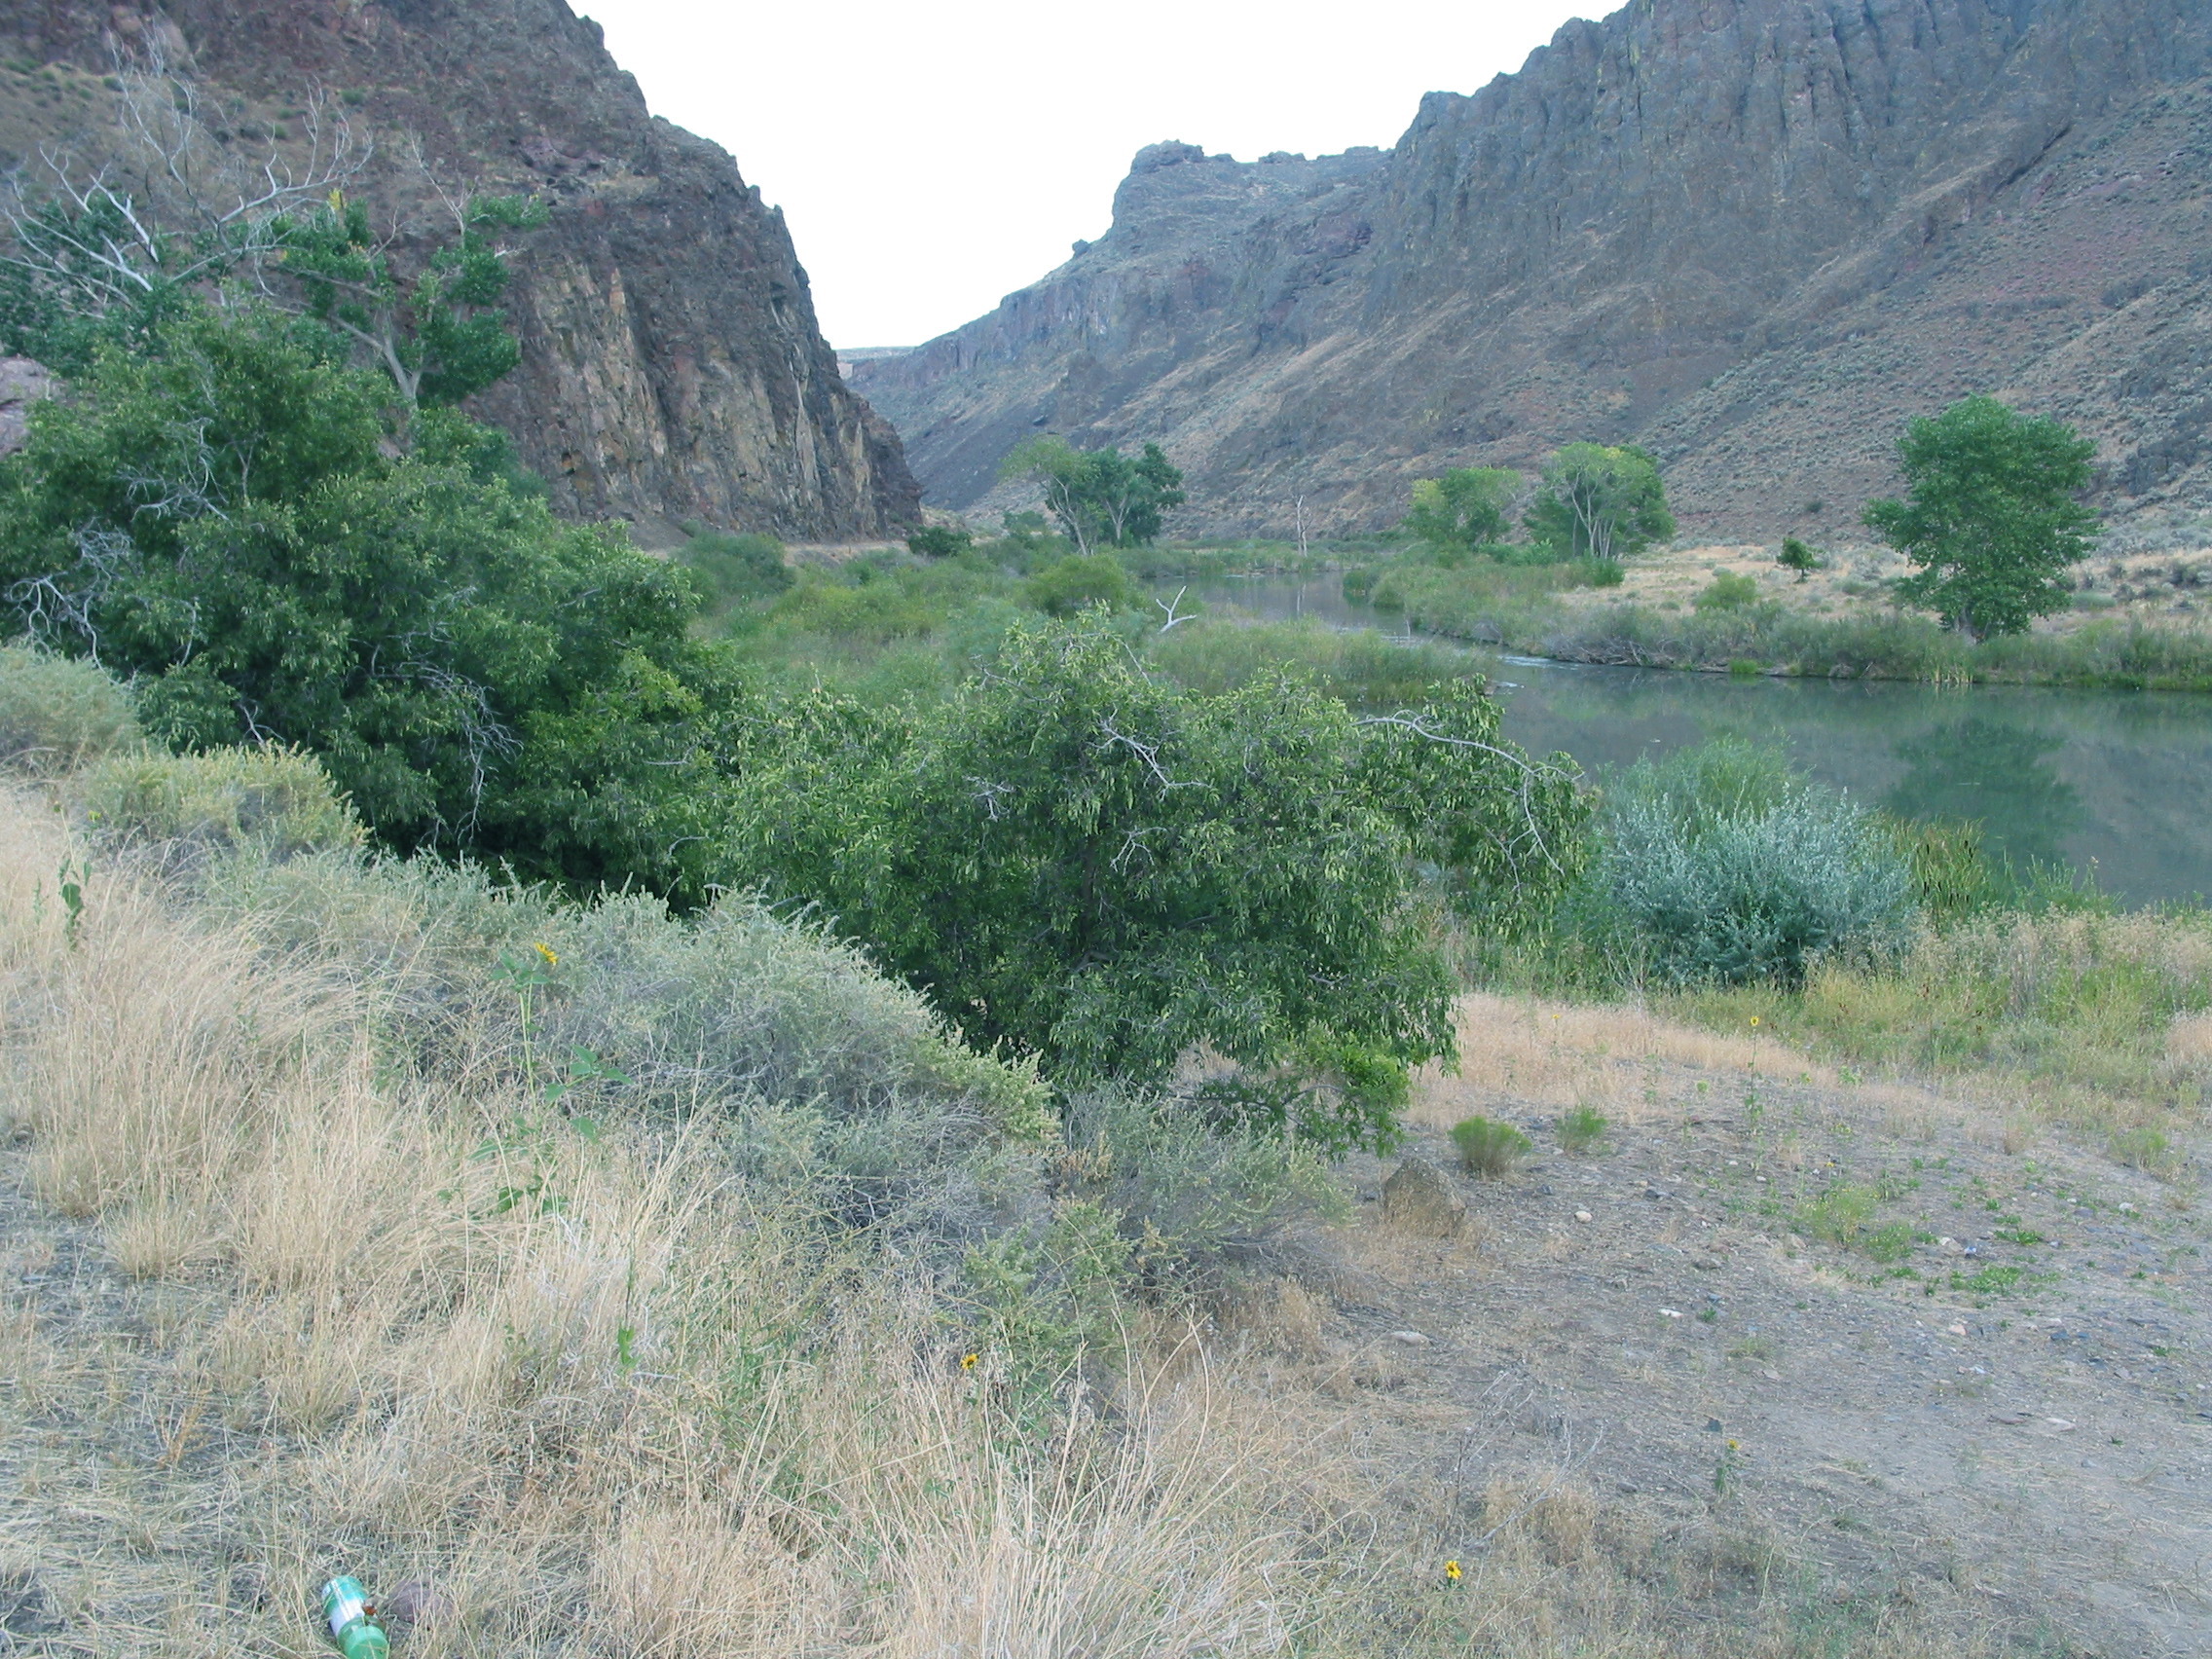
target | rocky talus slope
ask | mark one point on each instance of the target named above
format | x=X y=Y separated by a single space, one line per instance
x=1754 y=235
x=671 y=366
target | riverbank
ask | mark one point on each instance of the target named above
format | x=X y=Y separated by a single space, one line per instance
x=2136 y=623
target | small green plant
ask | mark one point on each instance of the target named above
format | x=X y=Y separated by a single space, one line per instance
x=2144 y=1148
x=1838 y=1215
x=72 y=881
x=1725 y=1469
x=938 y=541
x=1989 y=1281
x=1889 y=1244
x=1581 y=1129
x=1751 y=1348
x=1487 y=1147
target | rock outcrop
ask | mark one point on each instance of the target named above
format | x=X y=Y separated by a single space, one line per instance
x=672 y=367
x=1754 y=235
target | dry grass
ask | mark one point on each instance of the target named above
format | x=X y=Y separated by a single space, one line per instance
x=277 y=1309
x=1610 y=1057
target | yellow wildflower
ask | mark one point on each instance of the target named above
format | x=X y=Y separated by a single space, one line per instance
x=1451 y=1571
x=545 y=950
x=967 y=1361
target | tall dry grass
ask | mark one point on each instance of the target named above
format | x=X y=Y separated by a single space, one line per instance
x=597 y=1393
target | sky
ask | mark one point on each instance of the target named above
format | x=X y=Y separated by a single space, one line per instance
x=931 y=157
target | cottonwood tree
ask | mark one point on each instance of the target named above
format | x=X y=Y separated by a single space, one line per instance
x=1100 y=498
x=1599 y=502
x=1464 y=508
x=1991 y=517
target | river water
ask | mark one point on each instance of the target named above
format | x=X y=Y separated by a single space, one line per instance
x=2117 y=782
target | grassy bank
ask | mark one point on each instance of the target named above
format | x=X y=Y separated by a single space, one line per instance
x=1828 y=631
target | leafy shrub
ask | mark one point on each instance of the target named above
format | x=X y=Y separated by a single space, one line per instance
x=1581 y=1129
x=1796 y=556
x=1487 y=1147
x=1335 y=1097
x=733 y=568
x=58 y=713
x=1079 y=582
x=1722 y=869
x=1591 y=572
x=1727 y=591
x=938 y=541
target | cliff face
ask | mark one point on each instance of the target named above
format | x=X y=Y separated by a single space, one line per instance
x=671 y=366
x=1755 y=235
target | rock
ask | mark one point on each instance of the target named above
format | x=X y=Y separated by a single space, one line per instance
x=1704 y=228
x=1411 y=1339
x=22 y=383
x=1420 y=1198
x=1581 y=1215
x=671 y=363
x=411 y=1604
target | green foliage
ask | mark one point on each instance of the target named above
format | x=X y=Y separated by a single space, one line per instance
x=1464 y=508
x=1992 y=519
x=1796 y=556
x=1600 y=503
x=275 y=800
x=1487 y=1147
x=2145 y=1148
x=1581 y=1130
x=938 y=541
x=437 y=331
x=732 y=569
x=1198 y=1189
x=58 y=713
x=1079 y=582
x=1839 y=1215
x=1108 y=871
x=1727 y=591
x=1952 y=876
x=1332 y=1096
x=1721 y=865
x=1359 y=666
x=1101 y=498
x=222 y=521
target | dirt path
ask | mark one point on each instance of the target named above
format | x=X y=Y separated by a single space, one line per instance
x=1993 y=1403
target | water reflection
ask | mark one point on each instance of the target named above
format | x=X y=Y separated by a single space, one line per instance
x=2121 y=778
x=2001 y=776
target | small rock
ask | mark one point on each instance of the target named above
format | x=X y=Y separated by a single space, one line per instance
x=1653 y=1193
x=1706 y=1264
x=1581 y=1215
x=1771 y=1375
x=1420 y=1198
x=414 y=1603
x=1956 y=1330
x=1411 y=1339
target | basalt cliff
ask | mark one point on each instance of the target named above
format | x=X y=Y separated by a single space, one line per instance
x=1754 y=236
x=671 y=368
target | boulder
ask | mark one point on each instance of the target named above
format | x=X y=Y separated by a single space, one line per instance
x=1421 y=1199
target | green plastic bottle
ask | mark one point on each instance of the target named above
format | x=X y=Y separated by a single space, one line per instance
x=352 y=1626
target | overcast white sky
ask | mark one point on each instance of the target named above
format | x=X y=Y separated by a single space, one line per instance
x=931 y=157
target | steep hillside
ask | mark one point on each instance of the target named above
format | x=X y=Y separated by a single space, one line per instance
x=671 y=366
x=1753 y=233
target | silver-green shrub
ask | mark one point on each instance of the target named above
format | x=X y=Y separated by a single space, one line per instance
x=278 y=801
x=58 y=713
x=1725 y=866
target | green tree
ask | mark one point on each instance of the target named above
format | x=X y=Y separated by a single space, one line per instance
x=1991 y=516
x=1101 y=498
x=1600 y=503
x=1796 y=556
x=1463 y=508
x=1096 y=866
x=938 y=541
x=223 y=519
x=438 y=331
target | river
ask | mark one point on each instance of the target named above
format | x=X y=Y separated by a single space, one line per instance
x=2116 y=781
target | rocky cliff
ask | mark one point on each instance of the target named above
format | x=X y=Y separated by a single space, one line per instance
x=671 y=363
x=1754 y=235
